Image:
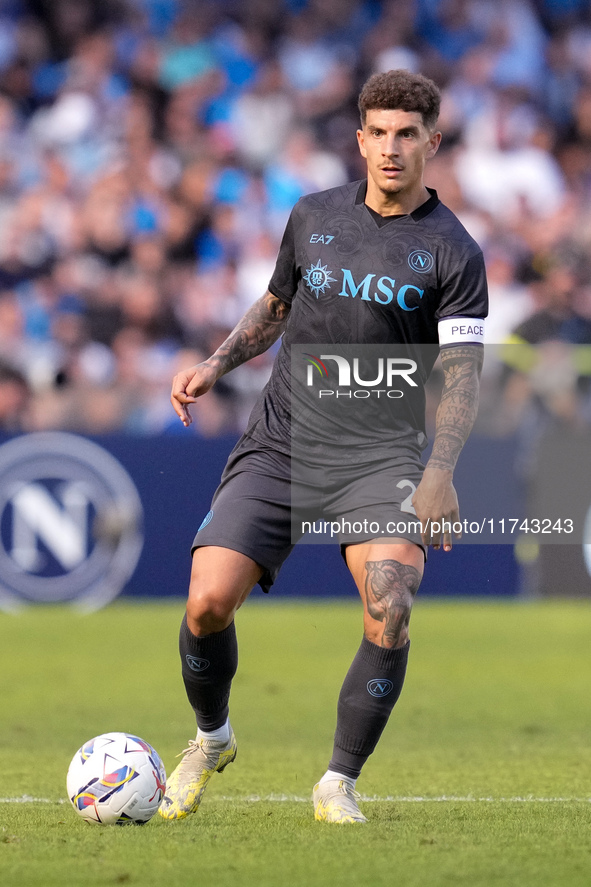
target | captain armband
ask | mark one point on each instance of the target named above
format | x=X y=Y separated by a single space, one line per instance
x=461 y=330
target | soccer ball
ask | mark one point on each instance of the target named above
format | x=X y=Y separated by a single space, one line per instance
x=116 y=778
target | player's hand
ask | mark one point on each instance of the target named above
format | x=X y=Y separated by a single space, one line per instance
x=436 y=505
x=188 y=385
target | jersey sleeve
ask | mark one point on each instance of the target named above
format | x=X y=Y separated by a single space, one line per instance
x=284 y=281
x=464 y=298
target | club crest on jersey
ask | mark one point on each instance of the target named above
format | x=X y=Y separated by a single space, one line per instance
x=420 y=260
x=318 y=278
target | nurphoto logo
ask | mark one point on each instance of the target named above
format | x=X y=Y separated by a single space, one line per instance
x=346 y=372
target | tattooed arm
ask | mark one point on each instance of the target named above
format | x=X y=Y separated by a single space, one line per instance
x=459 y=403
x=262 y=325
x=435 y=498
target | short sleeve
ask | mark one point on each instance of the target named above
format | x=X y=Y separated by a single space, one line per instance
x=464 y=292
x=284 y=281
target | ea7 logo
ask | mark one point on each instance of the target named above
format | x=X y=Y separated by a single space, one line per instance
x=197 y=664
x=380 y=687
x=321 y=238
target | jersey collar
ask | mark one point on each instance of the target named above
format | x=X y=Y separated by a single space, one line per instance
x=419 y=213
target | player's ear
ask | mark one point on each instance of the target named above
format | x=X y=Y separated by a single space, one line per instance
x=361 y=142
x=434 y=142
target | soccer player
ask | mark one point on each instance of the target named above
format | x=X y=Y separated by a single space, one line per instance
x=413 y=275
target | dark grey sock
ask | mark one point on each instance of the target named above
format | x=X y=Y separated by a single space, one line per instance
x=208 y=663
x=368 y=695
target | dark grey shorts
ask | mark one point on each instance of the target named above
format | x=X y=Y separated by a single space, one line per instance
x=260 y=510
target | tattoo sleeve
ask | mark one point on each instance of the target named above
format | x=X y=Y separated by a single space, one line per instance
x=262 y=325
x=459 y=403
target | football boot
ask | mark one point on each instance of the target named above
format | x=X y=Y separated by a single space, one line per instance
x=186 y=784
x=336 y=801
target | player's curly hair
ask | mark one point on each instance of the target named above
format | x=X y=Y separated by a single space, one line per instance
x=401 y=90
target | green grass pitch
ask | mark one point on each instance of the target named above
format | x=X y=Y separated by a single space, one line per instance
x=483 y=776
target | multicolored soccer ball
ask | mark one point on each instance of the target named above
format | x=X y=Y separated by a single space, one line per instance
x=115 y=779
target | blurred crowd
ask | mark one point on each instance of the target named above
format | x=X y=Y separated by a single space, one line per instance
x=151 y=150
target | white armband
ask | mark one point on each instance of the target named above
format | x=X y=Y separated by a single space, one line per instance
x=455 y=330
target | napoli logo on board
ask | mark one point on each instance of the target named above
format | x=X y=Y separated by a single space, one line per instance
x=70 y=522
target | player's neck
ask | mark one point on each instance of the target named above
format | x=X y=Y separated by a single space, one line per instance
x=395 y=204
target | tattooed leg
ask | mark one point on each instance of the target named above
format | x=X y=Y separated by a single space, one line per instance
x=388 y=576
x=390 y=588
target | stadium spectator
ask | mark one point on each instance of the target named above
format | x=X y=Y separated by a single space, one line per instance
x=14 y=394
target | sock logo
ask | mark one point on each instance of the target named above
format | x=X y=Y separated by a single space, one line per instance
x=196 y=664
x=380 y=687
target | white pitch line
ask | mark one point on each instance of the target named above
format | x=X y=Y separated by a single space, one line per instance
x=28 y=799
x=393 y=799
x=405 y=799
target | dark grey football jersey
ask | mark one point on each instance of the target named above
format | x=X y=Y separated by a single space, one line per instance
x=353 y=277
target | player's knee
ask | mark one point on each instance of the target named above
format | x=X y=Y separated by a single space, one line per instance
x=389 y=626
x=208 y=612
x=398 y=620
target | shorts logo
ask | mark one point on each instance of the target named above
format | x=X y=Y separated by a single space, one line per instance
x=196 y=664
x=421 y=261
x=206 y=520
x=318 y=278
x=380 y=687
